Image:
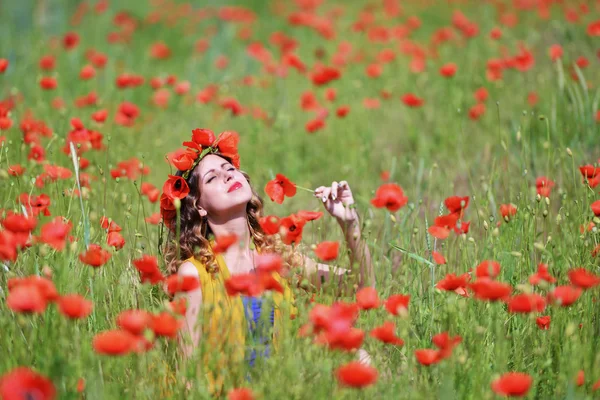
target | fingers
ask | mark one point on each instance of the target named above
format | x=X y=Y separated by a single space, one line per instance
x=319 y=191
x=334 y=190
x=325 y=194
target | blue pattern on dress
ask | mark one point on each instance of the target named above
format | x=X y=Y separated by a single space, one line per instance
x=258 y=333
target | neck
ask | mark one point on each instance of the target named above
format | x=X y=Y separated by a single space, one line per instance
x=236 y=224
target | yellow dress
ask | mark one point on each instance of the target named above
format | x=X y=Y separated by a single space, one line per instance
x=224 y=325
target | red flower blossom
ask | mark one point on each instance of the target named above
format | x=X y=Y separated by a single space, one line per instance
x=541 y=275
x=386 y=334
x=580 y=378
x=325 y=75
x=23 y=383
x=555 y=51
x=526 y=303
x=487 y=289
x=438 y=258
x=327 y=251
x=165 y=324
x=115 y=240
x=342 y=111
x=95 y=256
x=148 y=268
x=564 y=295
x=3 y=65
x=269 y=224
x=134 y=321
x=452 y=282
x=543 y=186
x=448 y=70
x=222 y=243
x=487 y=269
x=356 y=375
x=280 y=187
x=543 y=322
x=583 y=278
x=176 y=187
x=74 y=306
x=54 y=233
x=179 y=283
x=427 y=357
x=445 y=343
x=512 y=384
x=26 y=299
x=291 y=228
x=309 y=215
x=184 y=160
x=240 y=394
x=412 y=101
x=596 y=208
x=397 y=303
x=115 y=342
x=507 y=211
x=367 y=298
x=391 y=196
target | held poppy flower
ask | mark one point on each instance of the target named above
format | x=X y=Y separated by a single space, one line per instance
x=386 y=334
x=222 y=243
x=543 y=322
x=327 y=251
x=95 y=256
x=114 y=342
x=390 y=196
x=178 y=283
x=356 y=375
x=74 y=306
x=515 y=384
x=175 y=187
x=367 y=298
x=23 y=383
x=583 y=278
x=397 y=304
x=279 y=187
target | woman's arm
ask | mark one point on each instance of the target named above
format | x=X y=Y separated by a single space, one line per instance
x=191 y=332
x=338 y=201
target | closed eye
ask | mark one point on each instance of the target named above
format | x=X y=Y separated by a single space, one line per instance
x=208 y=181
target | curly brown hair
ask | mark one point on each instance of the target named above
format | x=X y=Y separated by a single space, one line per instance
x=194 y=236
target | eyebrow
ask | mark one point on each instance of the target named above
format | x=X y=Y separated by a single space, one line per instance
x=213 y=170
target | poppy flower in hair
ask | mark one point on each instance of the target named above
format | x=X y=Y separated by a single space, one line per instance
x=176 y=187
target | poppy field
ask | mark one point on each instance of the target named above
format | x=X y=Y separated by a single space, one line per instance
x=468 y=132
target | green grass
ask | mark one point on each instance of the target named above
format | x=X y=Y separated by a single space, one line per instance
x=433 y=152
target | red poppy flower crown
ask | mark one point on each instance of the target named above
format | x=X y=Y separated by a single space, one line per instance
x=203 y=143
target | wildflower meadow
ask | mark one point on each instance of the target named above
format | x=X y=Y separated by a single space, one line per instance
x=468 y=132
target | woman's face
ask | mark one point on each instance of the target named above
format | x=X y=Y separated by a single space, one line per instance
x=222 y=186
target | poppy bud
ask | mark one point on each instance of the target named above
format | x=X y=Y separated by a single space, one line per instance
x=485 y=225
x=538 y=198
x=545 y=213
x=547 y=200
x=569 y=152
x=177 y=203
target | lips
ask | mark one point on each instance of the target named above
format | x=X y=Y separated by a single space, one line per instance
x=235 y=186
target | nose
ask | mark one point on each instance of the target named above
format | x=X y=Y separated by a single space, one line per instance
x=228 y=176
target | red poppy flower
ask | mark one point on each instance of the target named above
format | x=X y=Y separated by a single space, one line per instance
x=203 y=137
x=309 y=215
x=95 y=256
x=445 y=343
x=179 y=283
x=269 y=262
x=438 y=258
x=580 y=378
x=279 y=187
x=185 y=160
x=367 y=298
x=314 y=125
x=456 y=204
x=325 y=75
x=583 y=278
x=526 y=303
x=543 y=322
x=564 y=295
x=18 y=223
x=438 y=232
x=26 y=299
x=15 y=169
x=488 y=269
x=481 y=95
x=356 y=375
x=269 y=224
x=507 y=211
x=44 y=286
x=115 y=342
x=341 y=336
x=290 y=229
x=541 y=275
x=327 y=251
x=74 y=306
x=134 y=321
x=487 y=289
x=48 y=83
x=165 y=324
x=23 y=383
x=512 y=384
x=176 y=187
x=397 y=303
x=179 y=306
x=227 y=143
x=448 y=70
x=3 y=64
x=386 y=334
x=452 y=282
x=596 y=208
x=222 y=243
x=411 y=100
x=148 y=268
x=427 y=357
x=390 y=196
x=54 y=233
x=245 y=284
x=342 y=111
x=544 y=186
x=555 y=51
x=115 y=240
x=240 y=394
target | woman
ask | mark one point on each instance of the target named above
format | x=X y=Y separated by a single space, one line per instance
x=216 y=200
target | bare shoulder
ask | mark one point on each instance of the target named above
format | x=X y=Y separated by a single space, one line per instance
x=187 y=269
